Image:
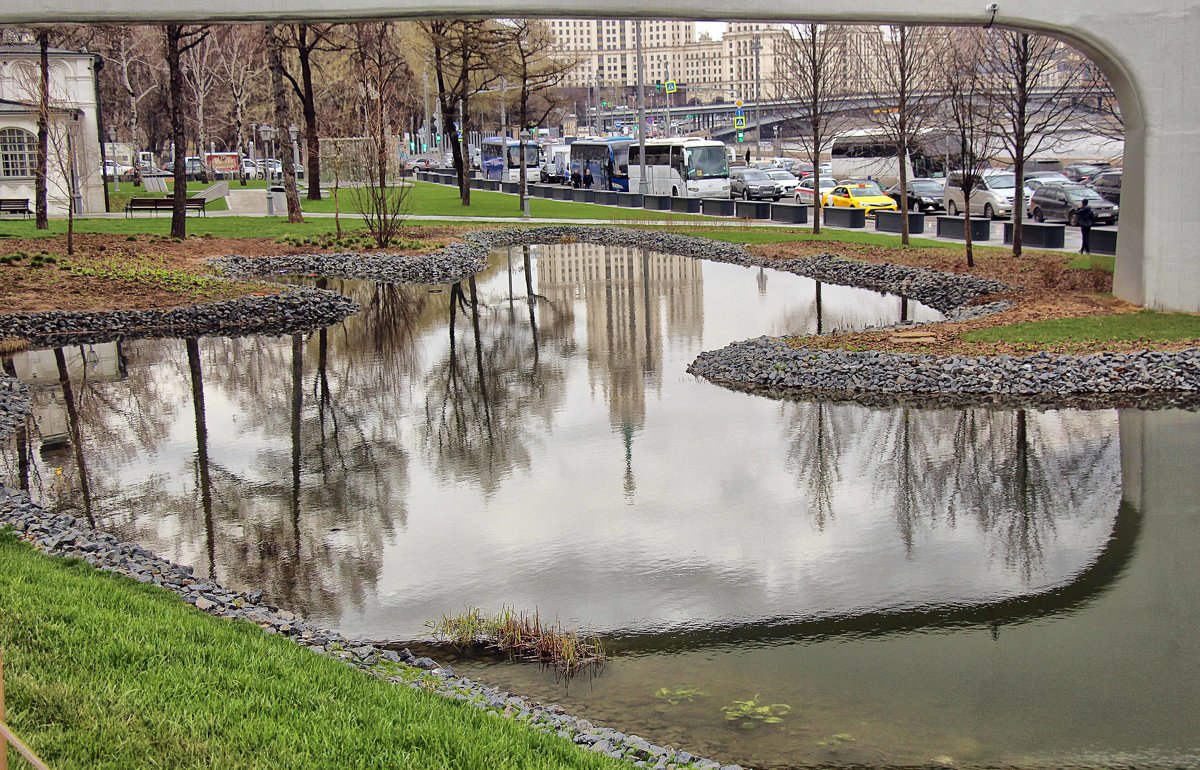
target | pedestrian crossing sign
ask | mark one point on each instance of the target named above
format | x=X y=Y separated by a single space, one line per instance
x=671 y=88
x=739 y=121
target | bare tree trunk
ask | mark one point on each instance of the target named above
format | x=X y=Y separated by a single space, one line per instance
x=308 y=105
x=174 y=32
x=41 y=202
x=282 y=123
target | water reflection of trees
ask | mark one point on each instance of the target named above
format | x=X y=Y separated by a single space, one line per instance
x=1016 y=474
x=501 y=381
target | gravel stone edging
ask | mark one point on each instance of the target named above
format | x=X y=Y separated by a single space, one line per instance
x=287 y=312
x=65 y=536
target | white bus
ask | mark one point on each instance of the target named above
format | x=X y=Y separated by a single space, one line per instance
x=500 y=160
x=683 y=167
x=873 y=154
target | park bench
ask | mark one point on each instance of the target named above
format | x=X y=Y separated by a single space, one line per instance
x=163 y=204
x=15 y=206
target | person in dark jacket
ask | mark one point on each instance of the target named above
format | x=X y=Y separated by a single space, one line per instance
x=1086 y=217
x=588 y=179
x=576 y=179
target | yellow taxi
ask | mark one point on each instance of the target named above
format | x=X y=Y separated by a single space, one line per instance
x=861 y=195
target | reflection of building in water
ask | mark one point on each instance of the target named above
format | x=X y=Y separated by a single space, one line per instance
x=39 y=370
x=629 y=294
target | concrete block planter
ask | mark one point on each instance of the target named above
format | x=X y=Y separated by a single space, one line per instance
x=656 y=202
x=1104 y=241
x=838 y=217
x=580 y=195
x=562 y=193
x=753 y=209
x=629 y=200
x=1038 y=234
x=605 y=197
x=512 y=187
x=892 y=222
x=789 y=213
x=718 y=207
x=685 y=205
x=952 y=227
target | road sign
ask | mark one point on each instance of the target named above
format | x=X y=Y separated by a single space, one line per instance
x=737 y=103
x=738 y=112
x=671 y=86
x=739 y=121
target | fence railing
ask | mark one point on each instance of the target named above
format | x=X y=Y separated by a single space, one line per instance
x=7 y=736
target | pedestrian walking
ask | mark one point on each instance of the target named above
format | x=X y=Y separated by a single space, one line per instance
x=588 y=179
x=747 y=156
x=576 y=179
x=1086 y=217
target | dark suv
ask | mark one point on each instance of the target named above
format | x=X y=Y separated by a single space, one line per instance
x=1062 y=201
x=1108 y=184
x=753 y=184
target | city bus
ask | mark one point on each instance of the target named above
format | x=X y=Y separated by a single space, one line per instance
x=684 y=167
x=607 y=158
x=500 y=160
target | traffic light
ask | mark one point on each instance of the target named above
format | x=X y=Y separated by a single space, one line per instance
x=424 y=146
x=412 y=147
x=658 y=86
x=741 y=136
x=437 y=139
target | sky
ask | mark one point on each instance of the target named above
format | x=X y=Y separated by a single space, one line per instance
x=713 y=28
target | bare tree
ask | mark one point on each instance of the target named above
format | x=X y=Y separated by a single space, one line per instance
x=382 y=197
x=461 y=52
x=810 y=53
x=200 y=73
x=240 y=64
x=126 y=51
x=972 y=119
x=305 y=40
x=282 y=122
x=71 y=172
x=529 y=61
x=900 y=81
x=178 y=39
x=1035 y=83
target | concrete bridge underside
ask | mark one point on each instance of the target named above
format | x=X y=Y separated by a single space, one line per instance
x=1147 y=49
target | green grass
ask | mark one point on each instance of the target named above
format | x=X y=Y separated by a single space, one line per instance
x=1093 y=262
x=219 y=227
x=1145 y=325
x=758 y=235
x=103 y=672
x=117 y=200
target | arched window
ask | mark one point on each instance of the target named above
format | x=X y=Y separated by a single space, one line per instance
x=18 y=153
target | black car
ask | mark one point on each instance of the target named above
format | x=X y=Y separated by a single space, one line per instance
x=753 y=184
x=1062 y=201
x=924 y=195
x=1081 y=172
x=1108 y=184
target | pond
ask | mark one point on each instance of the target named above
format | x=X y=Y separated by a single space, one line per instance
x=916 y=586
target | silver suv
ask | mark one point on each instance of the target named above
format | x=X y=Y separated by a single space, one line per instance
x=991 y=195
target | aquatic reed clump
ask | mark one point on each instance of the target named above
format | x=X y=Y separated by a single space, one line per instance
x=10 y=345
x=521 y=635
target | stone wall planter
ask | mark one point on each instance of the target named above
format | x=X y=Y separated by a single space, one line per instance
x=753 y=209
x=1038 y=234
x=952 y=227
x=789 y=213
x=513 y=187
x=838 y=217
x=656 y=202
x=605 y=198
x=892 y=222
x=718 y=207
x=562 y=193
x=629 y=200
x=1104 y=241
x=685 y=205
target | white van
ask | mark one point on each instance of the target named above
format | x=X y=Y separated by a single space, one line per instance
x=992 y=194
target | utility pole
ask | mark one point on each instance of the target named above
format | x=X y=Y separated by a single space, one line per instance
x=757 y=98
x=427 y=139
x=503 y=111
x=666 y=79
x=643 y=182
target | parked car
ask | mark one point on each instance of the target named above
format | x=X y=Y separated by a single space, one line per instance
x=1036 y=179
x=804 y=190
x=787 y=181
x=1108 y=184
x=924 y=195
x=992 y=193
x=1081 y=172
x=112 y=168
x=867 y=197
x=250 y=168
x=1062 y=201
x=753 y=184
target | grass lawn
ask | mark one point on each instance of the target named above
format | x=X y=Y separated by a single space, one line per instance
x=1093 y=262
x=104 y=672
x=749 y=234
x=430 y=199
x=1146 y=326
x=220 y=227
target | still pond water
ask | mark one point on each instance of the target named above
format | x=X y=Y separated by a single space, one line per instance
x=976 y=587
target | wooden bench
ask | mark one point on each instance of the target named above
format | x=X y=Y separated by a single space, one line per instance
x=164 y=204
x=15 y=206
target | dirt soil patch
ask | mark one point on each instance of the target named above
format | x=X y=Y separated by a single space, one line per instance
x=1048 y=290
x=25 y=288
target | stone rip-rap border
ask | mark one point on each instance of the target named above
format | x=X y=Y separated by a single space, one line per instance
x=63 y=535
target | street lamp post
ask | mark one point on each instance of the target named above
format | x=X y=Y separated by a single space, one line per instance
x=294 y=133
x=643 y=182
x=757 y=98
x=116 y=176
